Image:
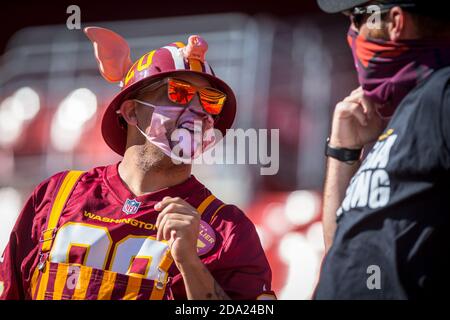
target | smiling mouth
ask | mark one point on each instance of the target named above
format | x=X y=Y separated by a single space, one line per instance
x=188 y=125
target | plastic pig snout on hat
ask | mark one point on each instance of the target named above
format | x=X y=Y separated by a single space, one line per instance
x=195 y=49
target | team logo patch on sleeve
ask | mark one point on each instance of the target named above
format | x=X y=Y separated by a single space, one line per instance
x=131 y=206
x=206 y=238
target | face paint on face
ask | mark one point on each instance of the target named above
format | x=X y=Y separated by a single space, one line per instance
x=190 y=135
x=178 y=132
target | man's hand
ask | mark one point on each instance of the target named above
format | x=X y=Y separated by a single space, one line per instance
x=355 y=122
x=179 y=224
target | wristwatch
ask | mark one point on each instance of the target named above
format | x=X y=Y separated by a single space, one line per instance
x=342 y=154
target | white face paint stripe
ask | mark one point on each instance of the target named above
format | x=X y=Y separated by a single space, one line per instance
x=177 y=57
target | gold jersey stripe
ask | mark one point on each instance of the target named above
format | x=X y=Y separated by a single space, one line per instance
x=157 y=294
x=60 y=280
x=107 y=286
x=82 y=285
x=133 y=287
x=34 y=283
x=43 y=283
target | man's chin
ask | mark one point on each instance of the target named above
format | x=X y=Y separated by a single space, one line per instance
x=179 y=153
x=152 y=157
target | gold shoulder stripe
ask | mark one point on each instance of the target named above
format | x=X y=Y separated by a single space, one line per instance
x=215 y=213
x=205 y=203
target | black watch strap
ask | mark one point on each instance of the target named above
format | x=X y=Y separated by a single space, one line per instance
x=342 y=154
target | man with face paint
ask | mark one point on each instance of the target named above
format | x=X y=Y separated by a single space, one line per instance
x=144 y=228
x=385 y=218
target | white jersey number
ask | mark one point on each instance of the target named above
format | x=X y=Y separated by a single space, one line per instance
x=98 y=244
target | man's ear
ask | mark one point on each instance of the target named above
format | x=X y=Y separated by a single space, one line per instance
x=401 y=25
x=128 y=112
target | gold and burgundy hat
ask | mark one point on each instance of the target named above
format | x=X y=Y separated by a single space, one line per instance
x=113 y=57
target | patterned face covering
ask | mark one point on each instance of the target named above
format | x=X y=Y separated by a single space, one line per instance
x=180 y=138
x=388 y=71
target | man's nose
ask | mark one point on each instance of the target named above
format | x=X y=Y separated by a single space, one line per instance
x=195 y=107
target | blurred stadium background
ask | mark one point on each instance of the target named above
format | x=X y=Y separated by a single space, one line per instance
x=288 y=64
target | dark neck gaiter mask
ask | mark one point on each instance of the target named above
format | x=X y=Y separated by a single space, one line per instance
x=388 y=71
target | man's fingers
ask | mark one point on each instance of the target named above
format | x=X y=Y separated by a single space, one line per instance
x=346 y=110
x=166 y=201
x=357 y=90
x=163 y=215
x=356 y=96
x=370 y=108
x=165 y=218
x=189 y=218
x=173 y=226
x=359 y=113
x=171 y=208
x=353 y=99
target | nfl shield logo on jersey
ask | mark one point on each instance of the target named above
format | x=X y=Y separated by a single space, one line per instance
x=131 y=206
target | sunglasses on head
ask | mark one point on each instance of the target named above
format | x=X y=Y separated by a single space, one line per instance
x=358 y=14
x=182 y=92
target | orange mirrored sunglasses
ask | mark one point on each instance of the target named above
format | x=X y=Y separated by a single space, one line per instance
x=181 y=92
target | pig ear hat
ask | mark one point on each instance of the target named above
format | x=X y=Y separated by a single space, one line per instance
x=113 y=58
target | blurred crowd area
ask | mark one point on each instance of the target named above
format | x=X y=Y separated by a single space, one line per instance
x=287 y=74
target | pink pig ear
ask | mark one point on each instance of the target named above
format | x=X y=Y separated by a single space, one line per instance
x=112 y=53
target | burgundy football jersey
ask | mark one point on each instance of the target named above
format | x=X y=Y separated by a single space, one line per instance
x=105 y=246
